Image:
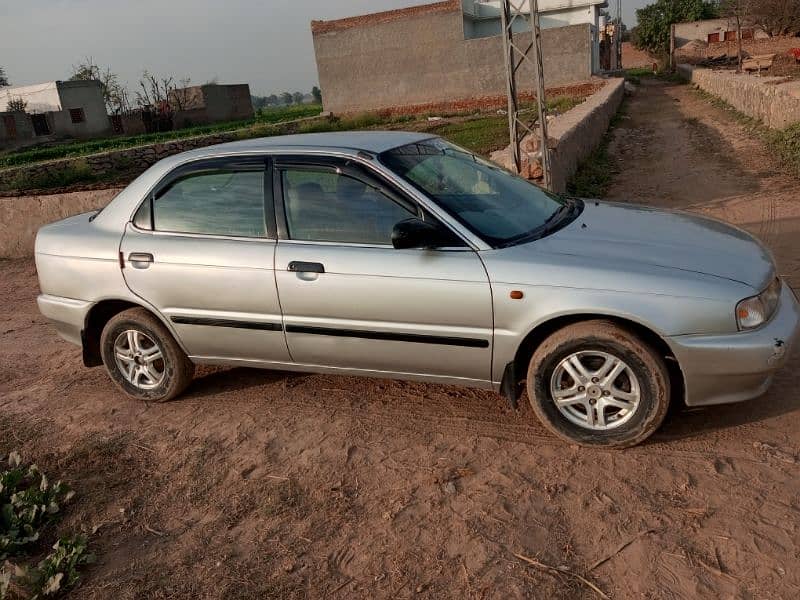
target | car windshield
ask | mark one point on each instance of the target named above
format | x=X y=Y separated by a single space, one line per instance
x=501 y=208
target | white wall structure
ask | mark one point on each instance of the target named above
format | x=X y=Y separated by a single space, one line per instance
x=42 y=97
x=482 y=18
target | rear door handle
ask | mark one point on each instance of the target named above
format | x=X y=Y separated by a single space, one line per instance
x=299 y=266
x=140 y=260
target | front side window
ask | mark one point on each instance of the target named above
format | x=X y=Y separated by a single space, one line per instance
x=326 y=206
x=229 y=203
x=501 y=208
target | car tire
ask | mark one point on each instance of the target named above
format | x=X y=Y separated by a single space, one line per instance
x=142 y=357
x=597 y=384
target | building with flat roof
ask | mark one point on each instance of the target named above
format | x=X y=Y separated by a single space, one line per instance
x=53 y=110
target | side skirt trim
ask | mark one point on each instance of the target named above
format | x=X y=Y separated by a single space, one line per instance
x=227 y=323
x=389 y=336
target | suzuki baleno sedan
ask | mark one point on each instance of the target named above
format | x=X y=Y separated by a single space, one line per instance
x=401 y=255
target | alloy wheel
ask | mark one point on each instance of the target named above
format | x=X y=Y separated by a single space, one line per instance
x=595 y=390
x=139 y=359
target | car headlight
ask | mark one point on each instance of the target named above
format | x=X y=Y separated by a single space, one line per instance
x=757 y=310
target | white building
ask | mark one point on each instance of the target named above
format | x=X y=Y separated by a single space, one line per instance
x=57 y=109
x=482 y=18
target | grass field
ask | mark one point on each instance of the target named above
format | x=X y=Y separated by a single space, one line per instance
x=82 y=148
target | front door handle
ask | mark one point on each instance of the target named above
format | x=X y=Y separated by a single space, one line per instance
x=140 y=260
x=298 y=266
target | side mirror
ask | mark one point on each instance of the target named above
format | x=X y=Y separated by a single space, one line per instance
x=415 y=233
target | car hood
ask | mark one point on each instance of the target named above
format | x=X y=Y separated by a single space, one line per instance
x=624 y=234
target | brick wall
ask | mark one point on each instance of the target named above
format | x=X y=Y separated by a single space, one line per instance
x=418 y=57
x=777 y=45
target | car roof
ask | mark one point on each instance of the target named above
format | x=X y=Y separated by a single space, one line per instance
x=367 y=141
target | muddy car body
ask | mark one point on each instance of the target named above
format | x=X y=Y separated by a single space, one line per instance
x=398 y=255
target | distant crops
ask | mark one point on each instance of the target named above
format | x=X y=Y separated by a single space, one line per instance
x=263 y=117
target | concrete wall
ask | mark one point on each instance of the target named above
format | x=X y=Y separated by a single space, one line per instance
x=772 y=100
x=424 y=58
x=22 y=133
x=21 y=217
x=228 y=102
x=87 y=95
x=572 y=137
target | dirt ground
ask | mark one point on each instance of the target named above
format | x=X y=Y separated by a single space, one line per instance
x=275 y=485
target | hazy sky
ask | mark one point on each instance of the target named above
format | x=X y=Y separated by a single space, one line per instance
x=264 y=43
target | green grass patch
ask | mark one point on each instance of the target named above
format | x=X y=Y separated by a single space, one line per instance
x=71 y=174
x=482 y=135
x=594 y=175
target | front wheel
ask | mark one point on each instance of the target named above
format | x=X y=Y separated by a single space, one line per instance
x=597 y=384
x=143 y=358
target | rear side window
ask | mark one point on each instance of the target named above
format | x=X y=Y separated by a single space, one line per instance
x=229 y=203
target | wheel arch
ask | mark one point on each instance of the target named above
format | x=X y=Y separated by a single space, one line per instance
x=99 y=315
x=517 y=369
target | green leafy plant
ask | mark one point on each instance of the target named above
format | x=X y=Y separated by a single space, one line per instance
x=55 y=573
x=58 y=571
x=28 y=502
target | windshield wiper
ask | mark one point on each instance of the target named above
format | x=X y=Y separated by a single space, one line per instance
x=563 y=211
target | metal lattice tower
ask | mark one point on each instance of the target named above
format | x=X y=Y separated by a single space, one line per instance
x=516 y=56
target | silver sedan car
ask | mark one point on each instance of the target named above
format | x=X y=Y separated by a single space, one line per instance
x=401 y=255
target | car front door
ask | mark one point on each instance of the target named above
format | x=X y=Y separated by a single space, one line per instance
x=201 y=250
x=350 y=300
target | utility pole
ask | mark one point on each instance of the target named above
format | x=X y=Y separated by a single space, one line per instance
x=511 y=12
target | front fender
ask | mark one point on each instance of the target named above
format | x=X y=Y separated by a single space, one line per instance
x=661 y=314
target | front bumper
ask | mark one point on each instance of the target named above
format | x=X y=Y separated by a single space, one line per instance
x=735 y=367
x=68 y=315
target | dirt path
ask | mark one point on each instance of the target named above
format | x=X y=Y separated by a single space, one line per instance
x=675 y=150
x=260 y=484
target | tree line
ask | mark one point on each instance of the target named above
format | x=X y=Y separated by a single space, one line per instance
x=286 y=99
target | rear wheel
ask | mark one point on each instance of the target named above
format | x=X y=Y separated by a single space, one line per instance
x=598 y=384
x=143 y=358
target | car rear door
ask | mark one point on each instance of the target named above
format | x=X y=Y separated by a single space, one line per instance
x=201 y=250
x=351 y=300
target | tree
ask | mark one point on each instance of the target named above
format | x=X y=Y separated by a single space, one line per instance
x=154 y=91
x=286 y=98
x=656 y=20
x=777 y=17
x=317 y=93
x=273 y=100
x=738 y=11
x=298 y=97
x=114 y=93
x=16 y=105
x=180 y=96
x=3 y=78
